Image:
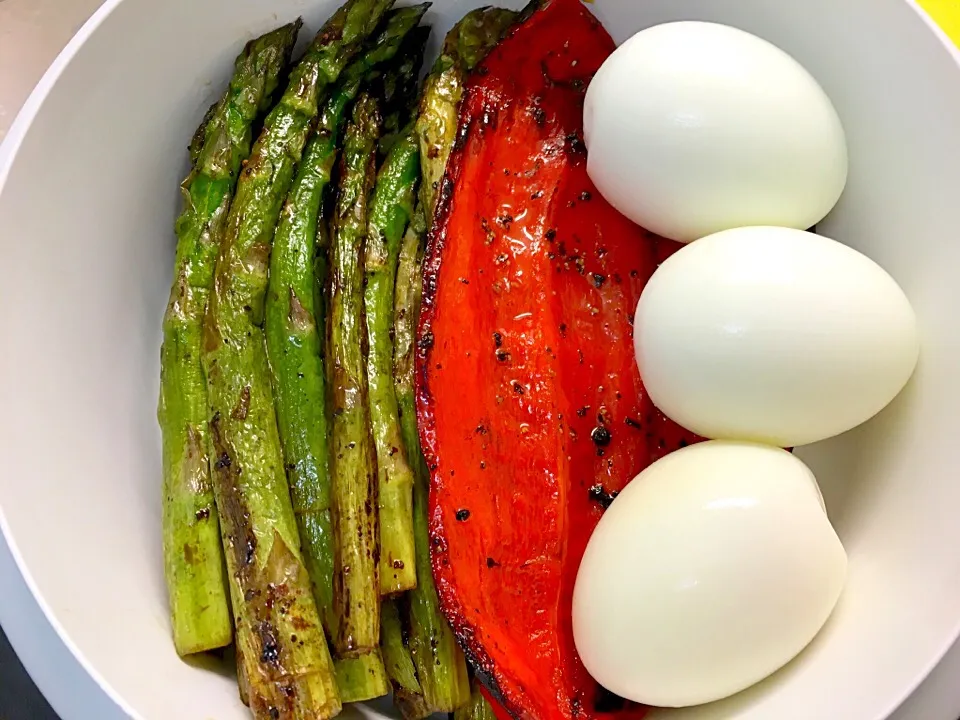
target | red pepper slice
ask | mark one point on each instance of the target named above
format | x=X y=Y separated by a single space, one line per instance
x=533 y=414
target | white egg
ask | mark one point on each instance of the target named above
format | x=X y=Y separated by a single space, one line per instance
x=714 y=568
x=693 y=128
x=773 y=335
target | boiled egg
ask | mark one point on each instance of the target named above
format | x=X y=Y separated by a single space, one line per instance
x=773 y=335
x=693 y=128
x=714 y=568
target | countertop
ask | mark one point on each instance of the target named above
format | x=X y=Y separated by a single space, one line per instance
x=32 y=32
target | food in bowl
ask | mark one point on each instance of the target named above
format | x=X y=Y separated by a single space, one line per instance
x=292 y=324
x=720 y=557
x=774 y=335
x=696 y=127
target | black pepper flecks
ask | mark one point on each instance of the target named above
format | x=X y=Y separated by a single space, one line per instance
x=498 y=339
x=574 y=144
x=599 y=494
x=630 y=422
x=463 y=515
x=488 y=232
x=601 y=436
x=598 y=280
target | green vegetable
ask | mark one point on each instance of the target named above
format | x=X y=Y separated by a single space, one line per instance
x=398 y=88
x=362 y=678
x=287 y=666
x=440 y=665
x=291 y=326
x=464 y=47
x=279 y=632
x=200 y=136
x=356 y=531
x=390 y=212
x=191 y=533
x=396 y=656
x=477 y=709
x=412 y=706
x=441 y=668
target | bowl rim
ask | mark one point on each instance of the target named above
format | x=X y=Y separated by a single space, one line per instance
x=61 y=695
x=60 y=699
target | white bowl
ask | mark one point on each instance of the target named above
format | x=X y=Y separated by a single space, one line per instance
x=88 y=194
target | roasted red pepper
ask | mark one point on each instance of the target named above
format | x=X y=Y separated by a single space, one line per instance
x=533 y=415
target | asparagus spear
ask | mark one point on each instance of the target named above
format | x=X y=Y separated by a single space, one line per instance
x=390 y=212
x=463 y=48
x=282 y=643
x=477 y=709
x=200 y=136
x=440 y=665
x=356 y=574
x=293 y=342
x=363 y=677
x=192 y=548
x=441 y=668
x=397 y=658
x=399 y=90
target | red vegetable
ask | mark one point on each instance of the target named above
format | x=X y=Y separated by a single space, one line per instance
x=533 y=414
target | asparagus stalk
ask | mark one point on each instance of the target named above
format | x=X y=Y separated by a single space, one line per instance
x=399 y=90
x=363 y=677
x=192 y=549
x=200 y=136
x=463 y=49
x=477 y=709
x=356 y=573
x=396 y=656
x=412 y=706
x=390 y=212
x=441 y=668
x=287 y=662
x=293 y=342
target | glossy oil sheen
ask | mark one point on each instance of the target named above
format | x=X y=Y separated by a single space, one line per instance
x=89 y=179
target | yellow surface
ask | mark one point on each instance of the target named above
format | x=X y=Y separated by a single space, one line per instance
x=947 y=15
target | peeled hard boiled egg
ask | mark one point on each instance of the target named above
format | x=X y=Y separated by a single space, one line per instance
x=712 y=569
x=693 y=128
x=773 y=335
